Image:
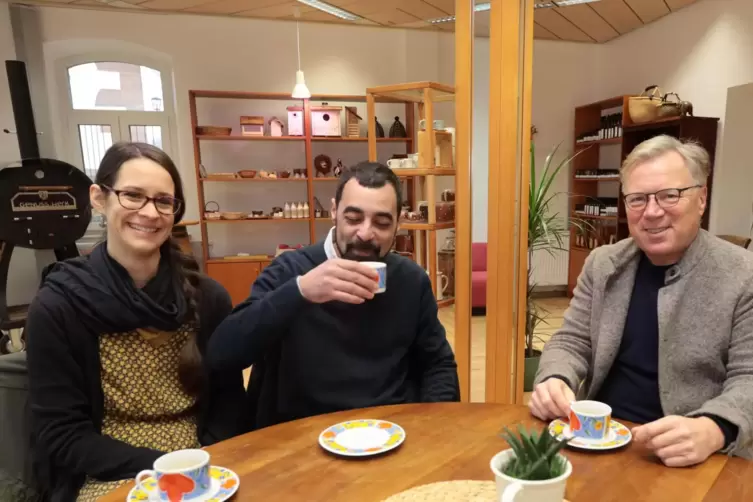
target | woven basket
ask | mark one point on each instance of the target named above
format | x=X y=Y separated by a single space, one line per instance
x=213 y=131
x=645 y=108
x=450 y=491
x=669 y=108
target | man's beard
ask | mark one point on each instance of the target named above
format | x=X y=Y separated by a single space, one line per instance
x=368 y=250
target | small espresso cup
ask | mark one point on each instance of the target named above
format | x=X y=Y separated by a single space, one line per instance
x=181 y=475
x=590 y=419
x=381 y=269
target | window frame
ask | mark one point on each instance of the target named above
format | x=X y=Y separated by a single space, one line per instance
x=67 y=146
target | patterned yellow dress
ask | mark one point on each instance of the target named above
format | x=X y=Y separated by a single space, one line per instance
x=144 y=402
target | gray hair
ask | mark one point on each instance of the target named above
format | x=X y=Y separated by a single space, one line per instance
x=695 y=156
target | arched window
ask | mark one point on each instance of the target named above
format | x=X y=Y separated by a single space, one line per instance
x=119 y=93
x=112 y=101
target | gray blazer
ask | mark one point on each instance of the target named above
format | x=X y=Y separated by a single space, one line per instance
x=705 y=330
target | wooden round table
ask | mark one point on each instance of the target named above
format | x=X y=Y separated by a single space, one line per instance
x=451 y=441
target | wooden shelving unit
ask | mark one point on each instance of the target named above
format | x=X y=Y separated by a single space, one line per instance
x=422 y=95
x=237 y=274
x=587 y=118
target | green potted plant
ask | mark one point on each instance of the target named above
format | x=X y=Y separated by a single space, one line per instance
x=547 y=232
x=532 y=465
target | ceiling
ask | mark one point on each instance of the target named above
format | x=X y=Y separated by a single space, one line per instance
x=595 y=22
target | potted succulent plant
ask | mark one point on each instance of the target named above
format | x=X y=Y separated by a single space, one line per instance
x=548 y=231
x=532 y=469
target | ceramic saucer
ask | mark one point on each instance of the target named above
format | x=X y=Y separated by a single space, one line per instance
x=617 y=437
x=224 y=484
x=362 y=438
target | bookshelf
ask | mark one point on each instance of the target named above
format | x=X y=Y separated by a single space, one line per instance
x=237 y=273
x=603 y=185
x=420 y=98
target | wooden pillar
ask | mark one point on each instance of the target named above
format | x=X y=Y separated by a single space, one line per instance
x=464 y=36
x=510 y=52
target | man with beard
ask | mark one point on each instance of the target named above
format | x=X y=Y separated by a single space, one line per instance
x=320 y=338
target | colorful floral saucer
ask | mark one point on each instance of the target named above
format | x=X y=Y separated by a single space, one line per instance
x=362 y=438
x=224 y=485
x=617 y=437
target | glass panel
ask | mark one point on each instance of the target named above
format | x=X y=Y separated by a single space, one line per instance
x=115 y=86
x=95 y=139
x=151 y=134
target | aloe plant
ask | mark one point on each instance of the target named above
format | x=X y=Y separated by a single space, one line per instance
x=547 y=230
x=536 y=455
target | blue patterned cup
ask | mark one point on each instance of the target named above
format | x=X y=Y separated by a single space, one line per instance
x=181 y=475
x=381 y=269
x=590 y=419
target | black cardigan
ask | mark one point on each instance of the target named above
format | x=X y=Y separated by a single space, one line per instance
x=67 y=403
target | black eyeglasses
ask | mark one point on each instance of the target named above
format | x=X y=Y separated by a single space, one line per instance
x=134 y=201
x=665 y=198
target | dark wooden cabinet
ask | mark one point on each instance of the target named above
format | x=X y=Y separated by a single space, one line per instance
x=236 y=277
x=610 y=228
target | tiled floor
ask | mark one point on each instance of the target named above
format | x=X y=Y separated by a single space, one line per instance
x=555 y=308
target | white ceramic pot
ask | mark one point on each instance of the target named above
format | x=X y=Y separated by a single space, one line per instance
x=519 y=490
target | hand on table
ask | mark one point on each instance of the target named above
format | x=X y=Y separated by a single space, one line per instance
x=680 y=441
x=551 y=399
x=341 y=280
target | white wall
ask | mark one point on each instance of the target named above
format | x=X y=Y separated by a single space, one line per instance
x=250 y=55
x=735 y=208
x=698 y=52
x=564 y=76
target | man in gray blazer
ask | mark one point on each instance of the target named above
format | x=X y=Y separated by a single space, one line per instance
x=660 y=326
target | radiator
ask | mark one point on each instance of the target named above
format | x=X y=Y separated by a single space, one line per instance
x=550 y=269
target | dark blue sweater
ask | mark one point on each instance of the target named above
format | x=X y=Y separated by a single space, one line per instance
x=632 y=386
x=310 y=359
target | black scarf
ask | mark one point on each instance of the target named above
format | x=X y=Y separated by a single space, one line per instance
x=106 y=299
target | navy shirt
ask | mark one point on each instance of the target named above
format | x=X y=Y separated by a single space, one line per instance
x=632 y=385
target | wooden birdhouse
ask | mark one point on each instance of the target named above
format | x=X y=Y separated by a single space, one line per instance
x=276 y=127
x=252 y=126
x=325 y=120
x=295 y=120
x=352 y=122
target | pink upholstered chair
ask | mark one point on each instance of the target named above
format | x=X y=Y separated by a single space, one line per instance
x=478 y=275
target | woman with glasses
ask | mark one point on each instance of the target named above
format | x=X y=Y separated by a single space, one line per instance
x=116 y=339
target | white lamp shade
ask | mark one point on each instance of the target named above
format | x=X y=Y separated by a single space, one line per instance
x=300 y=91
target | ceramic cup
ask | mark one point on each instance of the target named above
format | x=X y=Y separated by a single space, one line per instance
x=381 y=269
x=589 y=419
x=181 y=475
x=395 y=163
x=518 y=490
x=408 y=163
x=438 y=124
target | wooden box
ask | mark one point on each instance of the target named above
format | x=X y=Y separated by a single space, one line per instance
x=442 y=150
x=352 y=122
x=295 y=121
x=325 y=120
x=252 y=126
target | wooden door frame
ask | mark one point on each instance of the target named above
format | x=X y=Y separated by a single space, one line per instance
x=510 y=75
x=464 y=38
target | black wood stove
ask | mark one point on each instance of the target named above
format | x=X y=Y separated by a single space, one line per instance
x=44 y=203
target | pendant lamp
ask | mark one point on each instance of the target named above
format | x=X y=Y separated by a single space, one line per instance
x=300 y=91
